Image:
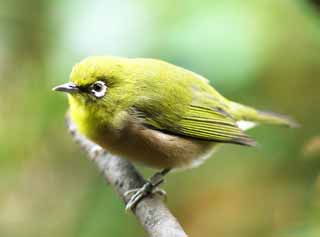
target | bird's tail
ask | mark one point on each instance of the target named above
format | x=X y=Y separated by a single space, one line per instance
x=246 y=113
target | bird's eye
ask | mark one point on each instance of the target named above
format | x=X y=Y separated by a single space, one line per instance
x=99 y=89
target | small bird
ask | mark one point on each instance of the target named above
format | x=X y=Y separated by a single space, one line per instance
x=155 y=113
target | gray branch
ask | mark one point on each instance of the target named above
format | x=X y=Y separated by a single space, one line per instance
x=151 y=212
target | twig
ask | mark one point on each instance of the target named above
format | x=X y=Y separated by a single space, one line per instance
x=151 y=212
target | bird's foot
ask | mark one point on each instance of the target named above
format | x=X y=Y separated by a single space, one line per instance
x=149 y=188
x=139 y=193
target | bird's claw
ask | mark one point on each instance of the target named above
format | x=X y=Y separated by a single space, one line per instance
x=149 y=188
x=160 y=192
x=137 y=194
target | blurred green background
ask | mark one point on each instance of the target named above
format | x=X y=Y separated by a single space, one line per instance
x=261 y=53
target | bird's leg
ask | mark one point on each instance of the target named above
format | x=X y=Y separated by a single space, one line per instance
x=150 y=187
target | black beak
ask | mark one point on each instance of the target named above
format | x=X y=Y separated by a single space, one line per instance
x=69 y=87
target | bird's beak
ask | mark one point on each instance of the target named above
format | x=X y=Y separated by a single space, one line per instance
x=69 y=87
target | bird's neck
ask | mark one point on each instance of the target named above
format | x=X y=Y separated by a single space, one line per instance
x=92 y=121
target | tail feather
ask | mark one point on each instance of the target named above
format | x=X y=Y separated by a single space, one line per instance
x=276 y=118
x=246 y=113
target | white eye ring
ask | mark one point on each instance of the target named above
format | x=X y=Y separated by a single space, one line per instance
x=99 y=89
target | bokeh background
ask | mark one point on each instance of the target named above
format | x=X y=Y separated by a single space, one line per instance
x=261 y=53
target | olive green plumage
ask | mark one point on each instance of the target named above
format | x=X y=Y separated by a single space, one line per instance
x=163 y=99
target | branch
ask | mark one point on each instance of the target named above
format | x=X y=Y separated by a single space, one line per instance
x=153 y=215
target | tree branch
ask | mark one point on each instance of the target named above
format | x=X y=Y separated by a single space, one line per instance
x=153 y=215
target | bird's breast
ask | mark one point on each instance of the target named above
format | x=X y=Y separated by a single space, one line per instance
x=130 y=139
x=153 y=148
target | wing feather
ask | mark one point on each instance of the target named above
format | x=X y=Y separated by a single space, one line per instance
x=188 y=107
x=204 y=123
x=213 y=124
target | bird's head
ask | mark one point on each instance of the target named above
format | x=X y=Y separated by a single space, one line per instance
x=98 y=81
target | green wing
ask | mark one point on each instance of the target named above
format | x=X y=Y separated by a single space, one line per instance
x=202 y=122
x=213 y=124
x=182 y=103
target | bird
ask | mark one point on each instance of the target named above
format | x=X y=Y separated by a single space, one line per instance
x=158 y=114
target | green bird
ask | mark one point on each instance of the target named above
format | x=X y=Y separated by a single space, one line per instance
x=156 y=113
